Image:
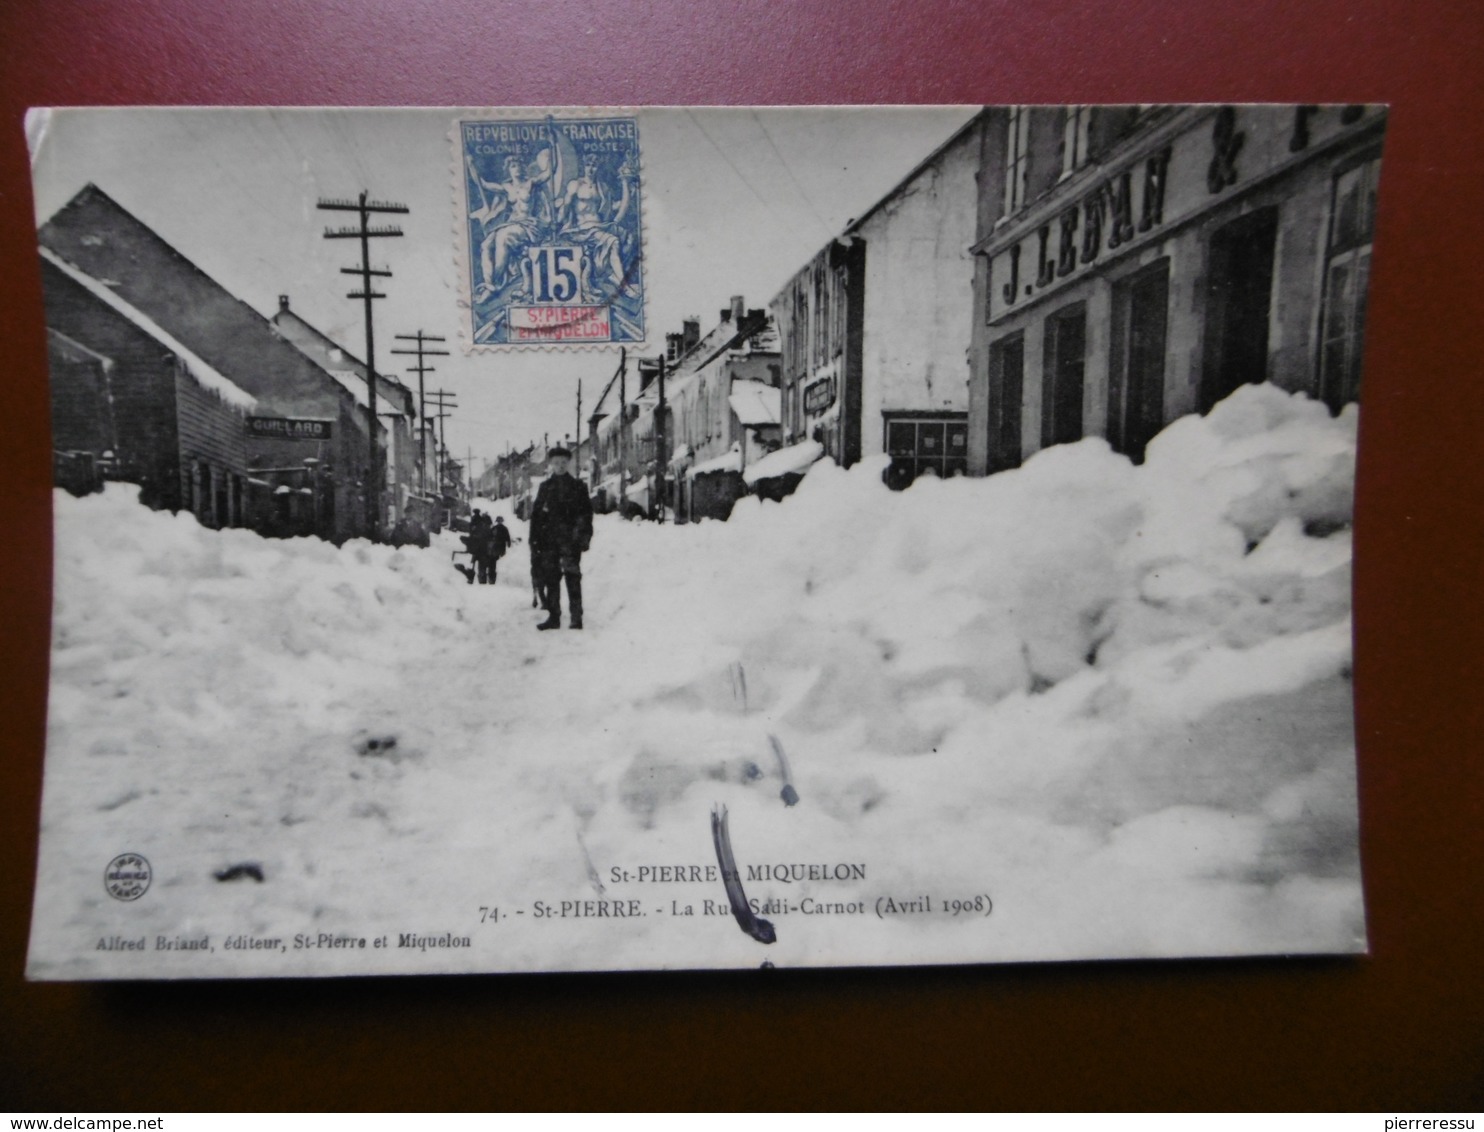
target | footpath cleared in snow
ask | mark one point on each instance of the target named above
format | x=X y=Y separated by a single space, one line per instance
x=1113 y=700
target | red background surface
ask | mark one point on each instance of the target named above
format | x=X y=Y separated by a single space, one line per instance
x=1402 y=1029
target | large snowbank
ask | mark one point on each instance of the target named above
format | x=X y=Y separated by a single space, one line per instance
x=1115 y=699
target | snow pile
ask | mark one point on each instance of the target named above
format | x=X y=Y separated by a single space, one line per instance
x=1113 y=699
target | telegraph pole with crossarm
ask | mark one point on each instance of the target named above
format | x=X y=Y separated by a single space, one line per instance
x=363 y=231
x=421 y=351
x=442 y=400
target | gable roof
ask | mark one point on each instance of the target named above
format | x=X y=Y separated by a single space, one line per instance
x=205 y=374
x=102 y=239
x=331 y=356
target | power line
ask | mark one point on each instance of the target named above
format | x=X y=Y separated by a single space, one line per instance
x=422 y=413
x=364 y=207
x=789 y=170
x=727 y=158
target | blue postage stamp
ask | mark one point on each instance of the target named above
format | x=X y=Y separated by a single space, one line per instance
x=554 y=234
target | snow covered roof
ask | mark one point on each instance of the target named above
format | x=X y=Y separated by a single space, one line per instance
x=766 y=340
x=755 y=403
x=100 y=237
x=796 y=458
x=355 y=385
x=728 y=461
x=205 y=374
x=325 y=352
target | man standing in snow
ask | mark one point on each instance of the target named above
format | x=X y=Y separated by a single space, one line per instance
x=499 y=544
x=561 y=529
x=480 y=545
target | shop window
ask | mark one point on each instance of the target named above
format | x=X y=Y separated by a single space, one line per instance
x=1346 y=279
x=1063 y=363
x=1136 y=382
x=1076 y=127
x=1239 y=299
x=1017 y=147
x=919 y=445
x=1006 y=381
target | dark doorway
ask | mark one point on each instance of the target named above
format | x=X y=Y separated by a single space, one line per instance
x=1239 y=299
x=1062 y=366
x=1136 y=386
x=1006 y=380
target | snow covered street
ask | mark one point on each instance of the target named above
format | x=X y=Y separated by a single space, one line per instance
x=1105 y=709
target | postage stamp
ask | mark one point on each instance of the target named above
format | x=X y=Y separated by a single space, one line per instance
x=553 y=230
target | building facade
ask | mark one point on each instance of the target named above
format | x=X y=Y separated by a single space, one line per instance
x=1140 y=263
x=307 y=441
x=130 y=398
x=875 y=330
x=623 y=453
x=405 y=488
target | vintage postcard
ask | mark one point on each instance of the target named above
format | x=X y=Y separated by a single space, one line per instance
x=558 y=539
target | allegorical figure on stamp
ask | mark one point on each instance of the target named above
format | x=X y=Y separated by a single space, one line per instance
x=517 y=206
x=561 y=531
x=591 y=225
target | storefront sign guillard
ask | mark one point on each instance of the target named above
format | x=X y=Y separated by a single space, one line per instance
x=289 y=428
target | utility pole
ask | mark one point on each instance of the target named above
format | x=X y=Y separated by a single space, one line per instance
x=443 y=400
x=623 y=427
x=363 y=231
x=660 y=464
x=592 y=421
x=577 y=430
x=422 y=414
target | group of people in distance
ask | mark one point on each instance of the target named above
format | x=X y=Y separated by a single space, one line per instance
x=487 y=540
x=561 y=531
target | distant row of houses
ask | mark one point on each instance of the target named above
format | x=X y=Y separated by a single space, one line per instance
x=161 y=377
x=1047 y=274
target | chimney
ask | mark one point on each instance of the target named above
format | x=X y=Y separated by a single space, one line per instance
x=283 y=302
x=692 y=333
x=737 y=308
x=726 y=314
x=674 y=347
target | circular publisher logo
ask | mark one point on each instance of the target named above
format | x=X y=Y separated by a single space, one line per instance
x=127 y=877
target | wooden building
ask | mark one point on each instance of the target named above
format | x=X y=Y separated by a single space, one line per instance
x=132 y=402
x=307 y=440
x=409 y=497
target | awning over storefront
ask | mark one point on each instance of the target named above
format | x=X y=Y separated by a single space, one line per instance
x=755 y=403
x=729 y=461
x=795 y=459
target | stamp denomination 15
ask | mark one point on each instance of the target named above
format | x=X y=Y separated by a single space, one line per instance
x=554 y=231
